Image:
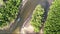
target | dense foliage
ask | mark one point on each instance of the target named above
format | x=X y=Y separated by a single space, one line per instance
x=36 y=18
x=52 y=25
x=9 y=11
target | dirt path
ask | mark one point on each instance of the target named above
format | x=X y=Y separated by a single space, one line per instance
x=26 y=10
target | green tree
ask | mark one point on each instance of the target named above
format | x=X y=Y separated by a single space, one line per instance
x=52 y=25
x=9 y=11
x=37 y=17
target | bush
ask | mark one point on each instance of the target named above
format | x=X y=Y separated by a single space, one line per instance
x=52 y=25
x=36 y=18
x=9 y=11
